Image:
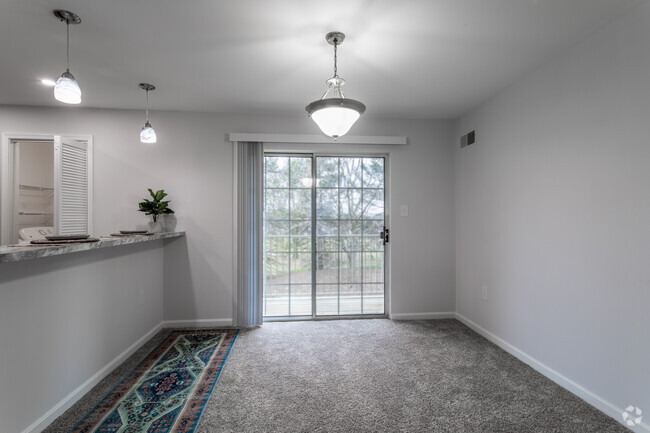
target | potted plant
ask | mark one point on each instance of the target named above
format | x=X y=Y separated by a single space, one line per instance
x=154 y=207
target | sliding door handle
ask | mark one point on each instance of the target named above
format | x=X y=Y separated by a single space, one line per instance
x=385 y=235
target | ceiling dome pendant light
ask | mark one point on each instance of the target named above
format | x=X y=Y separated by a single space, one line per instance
x=66 y=88
x=335 y=115
x=147 y=134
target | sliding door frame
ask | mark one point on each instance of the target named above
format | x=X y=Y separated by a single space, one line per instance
x=387 y=221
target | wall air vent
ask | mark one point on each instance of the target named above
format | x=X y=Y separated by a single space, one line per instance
x=468 y=139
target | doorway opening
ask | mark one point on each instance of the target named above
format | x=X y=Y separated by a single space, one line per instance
x=324 y=236
x=35 y=174
x=46 y=186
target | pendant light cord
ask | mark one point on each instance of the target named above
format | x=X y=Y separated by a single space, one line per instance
x=336 y=75
x=337 y=87
x=147 y=107
x=67 y=26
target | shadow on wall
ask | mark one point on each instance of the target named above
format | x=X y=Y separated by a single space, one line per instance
x=178 y=287
x=195 y=274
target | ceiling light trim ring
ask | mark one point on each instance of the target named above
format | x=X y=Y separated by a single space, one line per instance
x=147 y=86
x=67 y=16
x=335 y=38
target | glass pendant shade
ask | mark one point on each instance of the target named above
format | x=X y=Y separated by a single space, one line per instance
x=67 y=89
x=147 y=135
x=335 y=116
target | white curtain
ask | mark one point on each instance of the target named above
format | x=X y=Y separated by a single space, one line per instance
x=250 y=193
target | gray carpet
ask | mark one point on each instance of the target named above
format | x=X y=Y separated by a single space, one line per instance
x=374 y=376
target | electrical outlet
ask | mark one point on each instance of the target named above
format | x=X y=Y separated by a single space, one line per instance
x=484 y=293
x=141 y=297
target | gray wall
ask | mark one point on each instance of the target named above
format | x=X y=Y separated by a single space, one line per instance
x=64 y=318
x=552 y=208
x=193 y=163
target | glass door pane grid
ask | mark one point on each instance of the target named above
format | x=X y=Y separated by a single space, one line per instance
x=290 y=223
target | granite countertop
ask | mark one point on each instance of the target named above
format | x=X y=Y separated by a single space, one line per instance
x=15 y=254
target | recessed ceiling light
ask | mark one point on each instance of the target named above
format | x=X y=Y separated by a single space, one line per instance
x=48 y=82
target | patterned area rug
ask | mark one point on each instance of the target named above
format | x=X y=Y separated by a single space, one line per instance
x=168 y=391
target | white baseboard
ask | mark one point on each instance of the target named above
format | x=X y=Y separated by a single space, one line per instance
x=566 y=383
x=40 y=424
x=199 y=323
x=423 y=316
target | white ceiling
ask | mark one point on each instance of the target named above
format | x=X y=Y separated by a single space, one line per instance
x=406 y=58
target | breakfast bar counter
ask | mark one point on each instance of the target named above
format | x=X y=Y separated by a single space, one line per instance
x=28 y=252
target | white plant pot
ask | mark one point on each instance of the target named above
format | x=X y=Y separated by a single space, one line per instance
x=155 y=227
x=168 y=222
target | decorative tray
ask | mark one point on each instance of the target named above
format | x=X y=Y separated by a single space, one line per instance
x=133 y=232
x=75 y=237
x=63 y=242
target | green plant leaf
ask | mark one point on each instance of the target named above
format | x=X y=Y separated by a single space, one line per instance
x=155 y=207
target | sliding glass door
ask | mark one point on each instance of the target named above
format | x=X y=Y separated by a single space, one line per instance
x=324 y=250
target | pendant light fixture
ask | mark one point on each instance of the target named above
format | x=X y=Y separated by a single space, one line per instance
x=147 y=134
x=335 y=115
x=66 y=88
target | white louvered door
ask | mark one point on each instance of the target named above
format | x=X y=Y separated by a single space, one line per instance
x=73 y=185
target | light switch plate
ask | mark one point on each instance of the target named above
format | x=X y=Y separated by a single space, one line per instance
x=404 y=210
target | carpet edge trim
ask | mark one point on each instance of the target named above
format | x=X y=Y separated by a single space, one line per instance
x=68 y=401
x=583 y=393
x=423 y=316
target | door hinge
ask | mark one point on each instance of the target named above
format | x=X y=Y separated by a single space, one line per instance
x=385 y=235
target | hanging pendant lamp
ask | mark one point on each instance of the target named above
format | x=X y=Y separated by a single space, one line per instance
x=335 y=115
x=66 y=88
x=147 y=134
